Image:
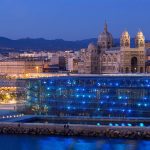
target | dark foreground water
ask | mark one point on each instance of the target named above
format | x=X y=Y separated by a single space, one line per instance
x=8 y=142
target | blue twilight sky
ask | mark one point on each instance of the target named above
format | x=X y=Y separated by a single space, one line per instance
x=72 y=19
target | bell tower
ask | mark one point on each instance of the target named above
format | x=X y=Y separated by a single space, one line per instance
x=139 y=40
x=125 y=40
x=132 y=60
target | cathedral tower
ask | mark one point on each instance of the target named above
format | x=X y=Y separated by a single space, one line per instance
x=132 y=60
x=139 y=40
x=125 y=40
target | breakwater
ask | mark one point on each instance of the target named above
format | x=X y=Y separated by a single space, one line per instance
x=75 y=130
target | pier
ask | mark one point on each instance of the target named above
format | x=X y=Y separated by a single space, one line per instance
x=14 y=126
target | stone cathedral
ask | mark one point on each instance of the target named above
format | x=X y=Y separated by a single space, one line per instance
x=105 y=58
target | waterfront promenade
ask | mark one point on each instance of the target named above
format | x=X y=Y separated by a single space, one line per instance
x=75 y=130
x=46 y=125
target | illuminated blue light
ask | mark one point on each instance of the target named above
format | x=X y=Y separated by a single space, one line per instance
x=98 y=124
x=69 y=82
x=83 y=102
x=48 y=88
x=114 y=103
x=117 y=84
x=145 y=105
x=129 y=124
x=120 y=97
x=125 y=104
x=116 y=124
x=83 y=96
x=110 y=109
x=122 y=124
x=95 y=90
x=110 y=84
x=110 y=124
x=123 y=110
x=77 y=96
x=107 y=97
x=89 y=96
x=141 y=124
x=129 y=110
x=35 y=99
x=98 y=84
x=139 y=104
x=98 y=109
x=44 y=82
x=77 y=89
x=50 y=82
x=68 y=108
x=101 y=102
x=146 y=80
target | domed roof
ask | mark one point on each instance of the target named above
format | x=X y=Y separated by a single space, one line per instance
x=140 y=35
x=125 y=34
x=105 y=35
x=91 y=46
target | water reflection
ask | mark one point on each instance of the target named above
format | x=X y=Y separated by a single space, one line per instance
x=8 y=142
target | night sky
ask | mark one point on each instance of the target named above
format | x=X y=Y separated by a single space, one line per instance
x=72 y=19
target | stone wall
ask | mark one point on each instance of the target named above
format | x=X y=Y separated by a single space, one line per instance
x=75 y=130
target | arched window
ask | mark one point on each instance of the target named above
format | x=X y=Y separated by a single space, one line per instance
x=104 y=59
x=134 y=64
x=115 y=59
x=109 y=59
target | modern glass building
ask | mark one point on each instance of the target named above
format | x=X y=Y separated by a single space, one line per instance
x=94 y=96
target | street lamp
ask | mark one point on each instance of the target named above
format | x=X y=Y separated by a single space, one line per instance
x=37 y=69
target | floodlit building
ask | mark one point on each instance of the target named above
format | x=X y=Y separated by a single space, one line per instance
x=22 y=66
x=103 y=58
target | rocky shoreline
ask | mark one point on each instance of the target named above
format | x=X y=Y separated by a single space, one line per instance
x=75 y=130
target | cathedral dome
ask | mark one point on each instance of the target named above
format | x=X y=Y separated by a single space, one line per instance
x=91 y=46
x=105 y=39
x=105 y=36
